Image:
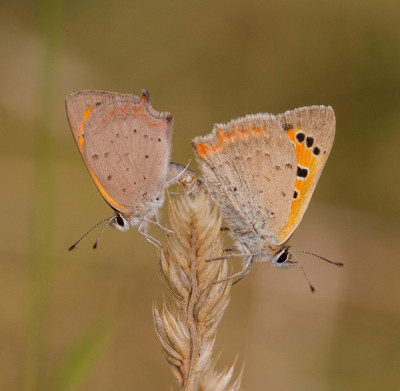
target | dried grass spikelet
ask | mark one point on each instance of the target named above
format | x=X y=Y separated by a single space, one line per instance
x=187 y=324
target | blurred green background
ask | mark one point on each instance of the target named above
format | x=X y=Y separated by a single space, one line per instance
x=82 y=320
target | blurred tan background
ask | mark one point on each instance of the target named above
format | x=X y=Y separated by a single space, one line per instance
x=82 y=320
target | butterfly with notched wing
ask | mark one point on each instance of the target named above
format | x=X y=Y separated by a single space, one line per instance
x=126 y=146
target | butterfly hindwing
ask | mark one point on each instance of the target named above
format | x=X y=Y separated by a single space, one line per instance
x=248 y=166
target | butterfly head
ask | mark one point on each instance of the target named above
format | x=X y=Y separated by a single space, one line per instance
x=279 y=255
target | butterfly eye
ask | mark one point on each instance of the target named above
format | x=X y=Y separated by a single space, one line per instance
x=120 y=221
x=282 y=257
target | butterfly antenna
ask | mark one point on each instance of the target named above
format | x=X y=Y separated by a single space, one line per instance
x=88 y=232
x=96 y=243
x=312 y=289
x=340 y=264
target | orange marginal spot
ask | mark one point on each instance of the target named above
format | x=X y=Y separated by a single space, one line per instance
x=243 y=132
x=204 y=149
x=226 y=136
x=305 y=159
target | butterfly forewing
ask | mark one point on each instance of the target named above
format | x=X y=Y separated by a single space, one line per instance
x=311 y=130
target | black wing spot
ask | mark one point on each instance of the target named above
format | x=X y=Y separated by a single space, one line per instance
x=106 y=154
x=124 y=190
x=109 y=178
x=235 y=188
x=134 y=130
x=288 y=165
x=309 y=142
x=158 y=199
x=144 y=178
x=134 y=183
x=295 y=194
x=277 y=168
x=146 y=135
x=146 y=156
x=300 y=136
x=302 y=172
x=159 y=139
x=95 y=156
x=316 y=151
x=127 y=169
x=283 y=194
x=98 y=103
x=117 y=135
x=287 y=127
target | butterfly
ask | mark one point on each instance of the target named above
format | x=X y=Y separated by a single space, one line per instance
x=262 y=171
x=126 y=147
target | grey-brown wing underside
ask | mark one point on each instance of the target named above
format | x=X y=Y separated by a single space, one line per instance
x=127 y=146
x=249 y=167
x=79 y=107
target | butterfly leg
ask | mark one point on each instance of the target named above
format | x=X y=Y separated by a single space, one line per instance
x=246 y=269
x=149 y=238
x=157 y=224
x=227 y=256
